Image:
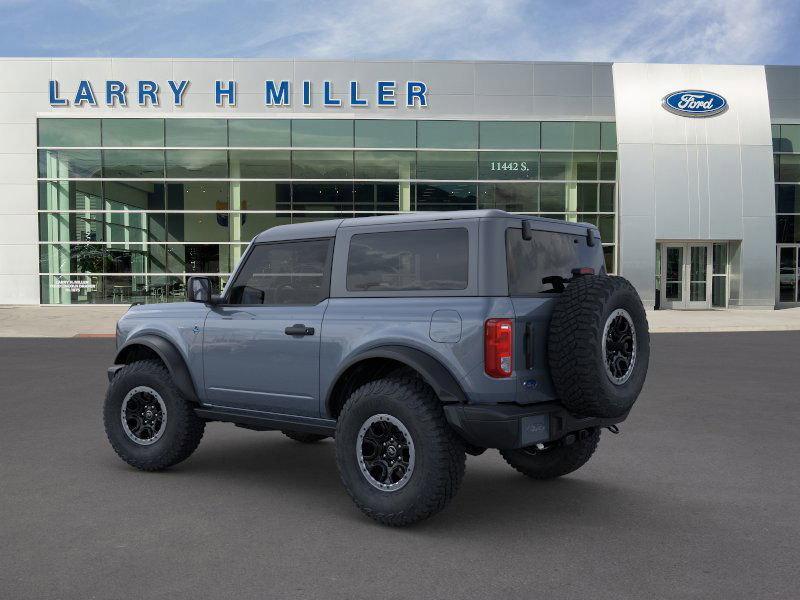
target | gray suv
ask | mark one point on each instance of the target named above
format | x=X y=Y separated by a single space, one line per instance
x=411 y=339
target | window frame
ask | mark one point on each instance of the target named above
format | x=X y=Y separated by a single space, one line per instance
x=341 y=255
x=234 y=276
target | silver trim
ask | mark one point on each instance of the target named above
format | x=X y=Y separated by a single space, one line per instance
x=360 y=454
x=143 y=389
x=620 y=312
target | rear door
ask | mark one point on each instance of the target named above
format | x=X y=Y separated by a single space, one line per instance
x=261 y=346
x=537 y=271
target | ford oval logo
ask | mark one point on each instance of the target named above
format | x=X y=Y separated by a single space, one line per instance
x=695 y=103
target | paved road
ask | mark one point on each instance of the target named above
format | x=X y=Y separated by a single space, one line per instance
x=697 y=498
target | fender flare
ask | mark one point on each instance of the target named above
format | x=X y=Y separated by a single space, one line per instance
x=433 y=372
x=170 y=356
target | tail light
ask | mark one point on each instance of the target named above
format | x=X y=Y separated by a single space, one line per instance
x=498 y=342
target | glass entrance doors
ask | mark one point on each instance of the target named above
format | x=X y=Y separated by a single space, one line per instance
x=686 y=275
x=788 y=274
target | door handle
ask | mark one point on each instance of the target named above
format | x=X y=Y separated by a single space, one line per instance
x=299 y=329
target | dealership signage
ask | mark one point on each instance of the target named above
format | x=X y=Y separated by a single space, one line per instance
x=694 y=103
x=114 y=93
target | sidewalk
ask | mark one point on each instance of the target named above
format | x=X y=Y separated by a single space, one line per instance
x=90 y=321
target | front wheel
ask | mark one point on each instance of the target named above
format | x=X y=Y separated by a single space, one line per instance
x=397 y=456
x=150 y=425
x=560 y=458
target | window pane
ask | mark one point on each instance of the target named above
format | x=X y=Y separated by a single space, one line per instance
x=197 y=163
x=385 y=133
x=556 y=165
x=606 y=226
x=333 y=197
x=134 y=195
x=260 y=164
x=212 y=196
x=196 y=132
x=69 y=132
x=553 y=197
x=446 y=196
x=788 y=229
x=435 y=259
x=557 y=135
x=322 y=133
x=251 y=224
x=294 y=273
x=787 y=198
x=133 y=163
x=585 y=166
x=587 y=136
x=790 y=138
x=65 y=227
x=504 y=134
x=320 y=164
x=608 y=166
x=606 y=197
x=61 y=164
x=261 y=195
x=608 y=136
x=381 y=197
x=587 y=197
x=446 y=165
x=720 y=259
x=127 y=227
x=133 y=132
x=447 y=134
x=776 y=138
x=511 y=197
x=199 y=227
x=198 y=258
x=608 y=255
x=258 y=133
x=509 y=165
x=70 y=195
x=385 y=165
x=789 y=168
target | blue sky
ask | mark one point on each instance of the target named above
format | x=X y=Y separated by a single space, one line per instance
x=688 y=31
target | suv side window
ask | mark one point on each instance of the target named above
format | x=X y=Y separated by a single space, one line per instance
x=284 y=273
x=392 y=261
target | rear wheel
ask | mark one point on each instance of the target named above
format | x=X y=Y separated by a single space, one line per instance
x=304 y=438
x=560 y=458
x=150 y=425
x=397 y=456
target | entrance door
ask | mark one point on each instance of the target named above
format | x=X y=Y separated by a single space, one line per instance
x=686 y=275
x=788 y=275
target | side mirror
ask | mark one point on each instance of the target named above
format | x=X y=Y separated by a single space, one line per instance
x=198 y=289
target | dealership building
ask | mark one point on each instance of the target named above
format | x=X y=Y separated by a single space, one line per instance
x=121 y=177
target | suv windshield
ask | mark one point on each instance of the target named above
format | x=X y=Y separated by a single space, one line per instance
x=541 y=265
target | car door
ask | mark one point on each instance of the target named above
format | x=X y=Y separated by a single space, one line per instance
x=261 y=344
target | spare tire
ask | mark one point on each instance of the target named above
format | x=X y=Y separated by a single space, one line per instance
x=598 y=346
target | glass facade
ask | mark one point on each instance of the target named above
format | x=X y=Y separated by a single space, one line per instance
x=128 y=208
x=786 y=152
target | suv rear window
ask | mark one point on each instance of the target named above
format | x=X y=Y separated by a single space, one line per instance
x=548 y=254
x=394 y=261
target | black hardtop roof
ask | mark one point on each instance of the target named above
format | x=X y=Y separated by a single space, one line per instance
x=327 y=228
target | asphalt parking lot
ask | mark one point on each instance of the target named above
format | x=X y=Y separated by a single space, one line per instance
x=697 y=498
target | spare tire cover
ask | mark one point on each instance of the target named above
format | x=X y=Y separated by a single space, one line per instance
x=598 y=346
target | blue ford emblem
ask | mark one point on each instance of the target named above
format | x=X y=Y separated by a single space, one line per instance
x=695 y=103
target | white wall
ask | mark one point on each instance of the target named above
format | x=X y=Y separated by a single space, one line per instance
x=696 y=178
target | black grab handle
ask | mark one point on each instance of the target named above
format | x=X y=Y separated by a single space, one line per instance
x=299 y=329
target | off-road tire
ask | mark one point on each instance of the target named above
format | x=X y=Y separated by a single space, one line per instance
x=439 y=453
x=183 y=429
x=304 y=438
x=556 y=461
x=575 y=346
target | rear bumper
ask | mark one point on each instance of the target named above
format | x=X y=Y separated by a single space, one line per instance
x=508 y=426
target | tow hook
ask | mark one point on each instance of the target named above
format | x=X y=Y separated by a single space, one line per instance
x=613 y=429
